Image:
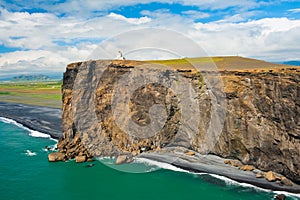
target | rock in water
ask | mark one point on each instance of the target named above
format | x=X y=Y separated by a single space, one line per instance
x=56 y=156
x=280 y=197
x=90 y=165
x=270 y=176
x=80 y=159
x=121 y=159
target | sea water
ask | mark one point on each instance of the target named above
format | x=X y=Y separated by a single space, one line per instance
x=25 y=173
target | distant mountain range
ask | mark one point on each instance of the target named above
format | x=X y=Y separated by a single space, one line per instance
x=39 y=77
x=34 y=77
x=293 y=62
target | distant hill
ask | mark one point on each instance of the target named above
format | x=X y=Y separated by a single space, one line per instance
x=293 y=62
x=39 y=77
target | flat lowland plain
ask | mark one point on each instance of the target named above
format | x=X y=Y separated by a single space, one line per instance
x=32 y=93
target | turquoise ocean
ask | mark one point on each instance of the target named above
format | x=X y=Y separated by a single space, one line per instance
x=25 y=173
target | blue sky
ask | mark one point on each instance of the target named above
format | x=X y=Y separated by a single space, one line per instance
x=41 y=35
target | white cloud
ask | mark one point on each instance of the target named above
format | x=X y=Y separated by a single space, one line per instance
x=269 y=39
x=296 y=10
x=140 y=20
x=83 y=8
x=41 y=60
x=196 y=14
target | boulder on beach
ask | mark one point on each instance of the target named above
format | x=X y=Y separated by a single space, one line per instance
x=286 y=181
x=56 y=156
x=121 y=159
x=247 y=168
x=234 y=163
x=90 y=160
x=270 y=176
x=190 y=153
x=135 y=152
x=260 y=175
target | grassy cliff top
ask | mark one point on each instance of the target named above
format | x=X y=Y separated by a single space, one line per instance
x=229 y=63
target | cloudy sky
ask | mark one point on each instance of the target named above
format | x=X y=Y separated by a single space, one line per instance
x=44 y=36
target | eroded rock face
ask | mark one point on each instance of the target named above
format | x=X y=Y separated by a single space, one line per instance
x=261 y=125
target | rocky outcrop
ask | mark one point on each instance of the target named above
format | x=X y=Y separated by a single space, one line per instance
x=260 y=127
x=56 y=156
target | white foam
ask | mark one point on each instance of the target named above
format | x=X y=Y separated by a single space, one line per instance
x=38 y=134
x=32 y=133
x=293 y=195
x=159 y=164
x=103 y=158
x=30 y=153
x=228 y=181
x=152 y=169
x=50 y=147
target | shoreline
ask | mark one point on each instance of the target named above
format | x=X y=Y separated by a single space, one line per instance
x=43 y=119
x=212 y=164
x=48 y=120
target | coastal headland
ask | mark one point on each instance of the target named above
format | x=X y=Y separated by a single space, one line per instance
x=254 y=108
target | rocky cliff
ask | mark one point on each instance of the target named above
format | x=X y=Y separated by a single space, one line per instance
x=254 y=114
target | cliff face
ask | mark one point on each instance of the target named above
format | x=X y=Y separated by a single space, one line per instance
x=260 y=120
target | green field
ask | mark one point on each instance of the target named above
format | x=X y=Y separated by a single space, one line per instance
x=34 y=93
x=186 y=62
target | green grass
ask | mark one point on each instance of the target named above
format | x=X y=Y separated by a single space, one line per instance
x=186 y=61
x=5 y=93
x=34 y=93
x=31 y=85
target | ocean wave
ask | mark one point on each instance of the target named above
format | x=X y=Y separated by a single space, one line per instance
x=292 y=195
x=32 y=133
x=30 y=153
x=38 y=134
x=50 y=148
x=229 y=182
x=162 y=165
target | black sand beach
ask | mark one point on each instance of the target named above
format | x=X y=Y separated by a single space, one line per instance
x=43 y=119
x=212 y=164
x=48 y=120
